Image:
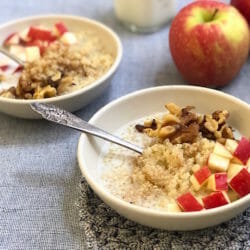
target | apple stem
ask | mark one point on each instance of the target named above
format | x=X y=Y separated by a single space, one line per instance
x=214 y=14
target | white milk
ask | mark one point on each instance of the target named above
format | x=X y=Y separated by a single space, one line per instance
x=145 y=15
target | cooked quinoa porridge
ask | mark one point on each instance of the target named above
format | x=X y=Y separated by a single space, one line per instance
x=166 y=169
x=145 y=181
x=56 y=64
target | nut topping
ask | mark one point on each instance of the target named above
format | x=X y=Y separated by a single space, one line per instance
x=173 y=108
x=220 y=116
x=181 y=125
x=170 y=119
x=166 y=132
x=210 y=124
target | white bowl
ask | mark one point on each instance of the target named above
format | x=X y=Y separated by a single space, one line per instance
x=148 y=102
x=75 y=100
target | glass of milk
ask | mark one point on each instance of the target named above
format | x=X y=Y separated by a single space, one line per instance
x=144 y=15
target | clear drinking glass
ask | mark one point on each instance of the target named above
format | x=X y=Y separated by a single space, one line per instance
x=144 y=15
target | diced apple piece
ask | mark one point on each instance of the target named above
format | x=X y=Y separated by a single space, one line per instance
x=236 y=161
x=211 y=183
x=233 y=170
x=243 y=150
x=41 y=44
x=199 y=199
x=32 y=53
x=221 y=150
x=240 y=183
x=199 y=178
x=12 y=39
x=221 y=181
x=61 y=28
x=232 y=195
x=195 y=168
x=68 y=38
x=24 y=35
x=218 y=182
x=215 y=199
x=248 y=165
x=173 y=208
x=218 y=163
x=36 y=33
x=195 y=183
x=18 y=51
x=4 y=67
x=189 y=203
x=231 y=145
x=18 y=69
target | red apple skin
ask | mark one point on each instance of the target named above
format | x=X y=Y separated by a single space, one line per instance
x=209 y=53
x=213 y=200
x=221 y=181
x=39 y=44
x=7 y=40
x=243 y=150
x=202 y=174
x=19 y=68
x=241 y=183
x=40 y=34
x=244 y=7
x=188 y=203
x=4 y=67
x=60 y=26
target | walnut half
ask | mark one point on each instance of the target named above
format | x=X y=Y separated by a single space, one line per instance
x=215 y=127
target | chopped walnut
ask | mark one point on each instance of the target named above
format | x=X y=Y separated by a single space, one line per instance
x=57 y=76
x=166 y=131
x=181 y=125
x=170 y=119
x=147 y=124
x=220 y=116
x=210 y=124
x=188 y=117
x=214 y=126
x=186 y=134
x=44 y=92
x=151 y=132
x=173 y=108
x=227 y=132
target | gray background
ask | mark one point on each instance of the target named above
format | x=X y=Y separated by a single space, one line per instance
x=38 y=168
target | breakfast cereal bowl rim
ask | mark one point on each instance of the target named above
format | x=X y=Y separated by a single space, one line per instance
x=81 y=91
x=96 y=186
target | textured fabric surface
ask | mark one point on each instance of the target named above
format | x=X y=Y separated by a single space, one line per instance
x=105 y=229
x=39 y=174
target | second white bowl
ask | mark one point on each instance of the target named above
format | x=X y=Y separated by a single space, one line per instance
x=75 y=100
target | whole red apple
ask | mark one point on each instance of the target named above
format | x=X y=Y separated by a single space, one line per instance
x=209 y=42
x=244 y=7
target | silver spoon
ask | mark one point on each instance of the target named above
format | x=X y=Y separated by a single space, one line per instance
x=65 y=118
x=11 y=56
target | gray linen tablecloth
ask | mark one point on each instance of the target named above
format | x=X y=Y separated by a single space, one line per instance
x=42 y=204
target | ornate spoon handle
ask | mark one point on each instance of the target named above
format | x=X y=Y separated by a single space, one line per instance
x=63 y=117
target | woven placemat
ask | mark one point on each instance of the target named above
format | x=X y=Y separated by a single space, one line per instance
x=105 y=229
